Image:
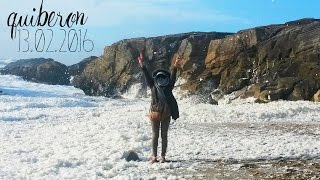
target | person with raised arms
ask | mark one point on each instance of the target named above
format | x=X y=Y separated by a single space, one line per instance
x=163 y=104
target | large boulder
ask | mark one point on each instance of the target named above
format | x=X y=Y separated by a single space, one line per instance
x=39 y=70
x=117 y=69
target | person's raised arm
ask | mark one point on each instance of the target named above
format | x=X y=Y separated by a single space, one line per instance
x=173 y=76
x=145 y=71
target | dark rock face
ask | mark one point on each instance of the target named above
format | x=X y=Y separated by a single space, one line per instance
x=117 y=69
x=39 y=70
x=78 y=68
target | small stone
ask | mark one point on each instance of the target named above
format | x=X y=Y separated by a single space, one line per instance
x=132 y=156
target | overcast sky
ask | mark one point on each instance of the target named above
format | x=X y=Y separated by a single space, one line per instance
x=113 y=20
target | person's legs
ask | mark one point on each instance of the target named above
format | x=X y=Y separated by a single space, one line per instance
x=155 y=136
x=164 y=134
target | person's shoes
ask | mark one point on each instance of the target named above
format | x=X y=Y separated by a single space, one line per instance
x=163 y=159
x=153 y=159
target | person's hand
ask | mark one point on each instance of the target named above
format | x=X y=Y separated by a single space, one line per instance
x=178 y=61
x=140 y=59
x=173 y=123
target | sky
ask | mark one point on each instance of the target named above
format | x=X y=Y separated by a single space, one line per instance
x=112 y=20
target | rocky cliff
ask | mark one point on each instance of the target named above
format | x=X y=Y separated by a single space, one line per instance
x=117 y=69
x=270 y=62
x=280 y=61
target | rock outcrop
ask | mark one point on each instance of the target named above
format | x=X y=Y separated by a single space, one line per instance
x=271 y=62
x=282 y=60
x=117 y=69
x=77 y=69
x=39 y=70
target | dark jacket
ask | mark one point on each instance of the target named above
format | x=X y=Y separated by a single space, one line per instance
x=167 y=91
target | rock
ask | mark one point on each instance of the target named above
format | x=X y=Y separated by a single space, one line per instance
x=24 y=67
x=26 y=63
x=279 y=89
x=231 y=57
x=117 y=69
x=131 y=156
x=316 y=96
x=301 y=21
x=254 y=90
x=276 y=61
x=216 y=95
x=78 y=68
x=258 y=100
x=271 y=95
x=212 y=101
x=266 y=54
x=198 y=98
x=303 y=90
x=39 y=70
x=52 y=73
x=287 y=82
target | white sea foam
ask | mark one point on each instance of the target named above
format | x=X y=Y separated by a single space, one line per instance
x=56 y=132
